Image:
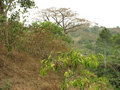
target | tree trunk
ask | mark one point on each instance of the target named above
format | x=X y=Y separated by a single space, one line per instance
x=1 y=14
x=6 y=30
x=3 y=23
x=105 y=59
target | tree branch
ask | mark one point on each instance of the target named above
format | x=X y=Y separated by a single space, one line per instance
x=9 y=5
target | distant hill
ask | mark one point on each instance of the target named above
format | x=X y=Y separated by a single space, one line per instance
x=114 y=30
x=87 y=36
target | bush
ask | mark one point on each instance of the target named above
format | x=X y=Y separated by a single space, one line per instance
x=48 y=26
x=75 y=73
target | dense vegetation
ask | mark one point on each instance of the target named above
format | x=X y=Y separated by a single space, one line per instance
x=86 y=57
x=105 y=41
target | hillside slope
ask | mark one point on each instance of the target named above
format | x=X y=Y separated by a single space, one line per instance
x=22 y=72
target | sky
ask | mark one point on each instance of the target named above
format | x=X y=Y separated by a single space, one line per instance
x=104 y=12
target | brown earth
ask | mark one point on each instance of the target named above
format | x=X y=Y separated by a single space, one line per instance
x=22 y=72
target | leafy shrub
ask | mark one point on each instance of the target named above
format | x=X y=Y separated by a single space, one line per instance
x=66 y=38
x=75 y=67
x=54 y=28
x=15 y=30
x=51 y=26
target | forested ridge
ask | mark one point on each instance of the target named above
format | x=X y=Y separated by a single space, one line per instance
x=57 y=51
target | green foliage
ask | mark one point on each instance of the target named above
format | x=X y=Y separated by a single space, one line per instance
x=1 y=88
x=15 y=16
x=26 y=3
x=75 y=66
x=7 y=85
x=10 y=5
x=109 y=46
x=54 y=28
x=116 y=39
x=15 y=30
x=103 y=43
x=95 y=29
x=87 y=43
x=66 y=38
x=105 y=35
x=75 y=69
x=35 y=25
x=51 y=26
x=115 y=61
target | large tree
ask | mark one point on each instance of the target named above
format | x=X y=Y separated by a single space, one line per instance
x=64 y=17
x=9 y=5
x=103 y=44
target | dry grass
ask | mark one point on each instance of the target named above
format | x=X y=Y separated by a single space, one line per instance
x=24 y=72
x=41 y=43
x=22 y=64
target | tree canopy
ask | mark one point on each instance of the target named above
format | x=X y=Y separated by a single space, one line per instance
x=63 y=17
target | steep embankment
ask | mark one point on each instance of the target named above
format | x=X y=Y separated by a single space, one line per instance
x=22 y=72
x=20 y=68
